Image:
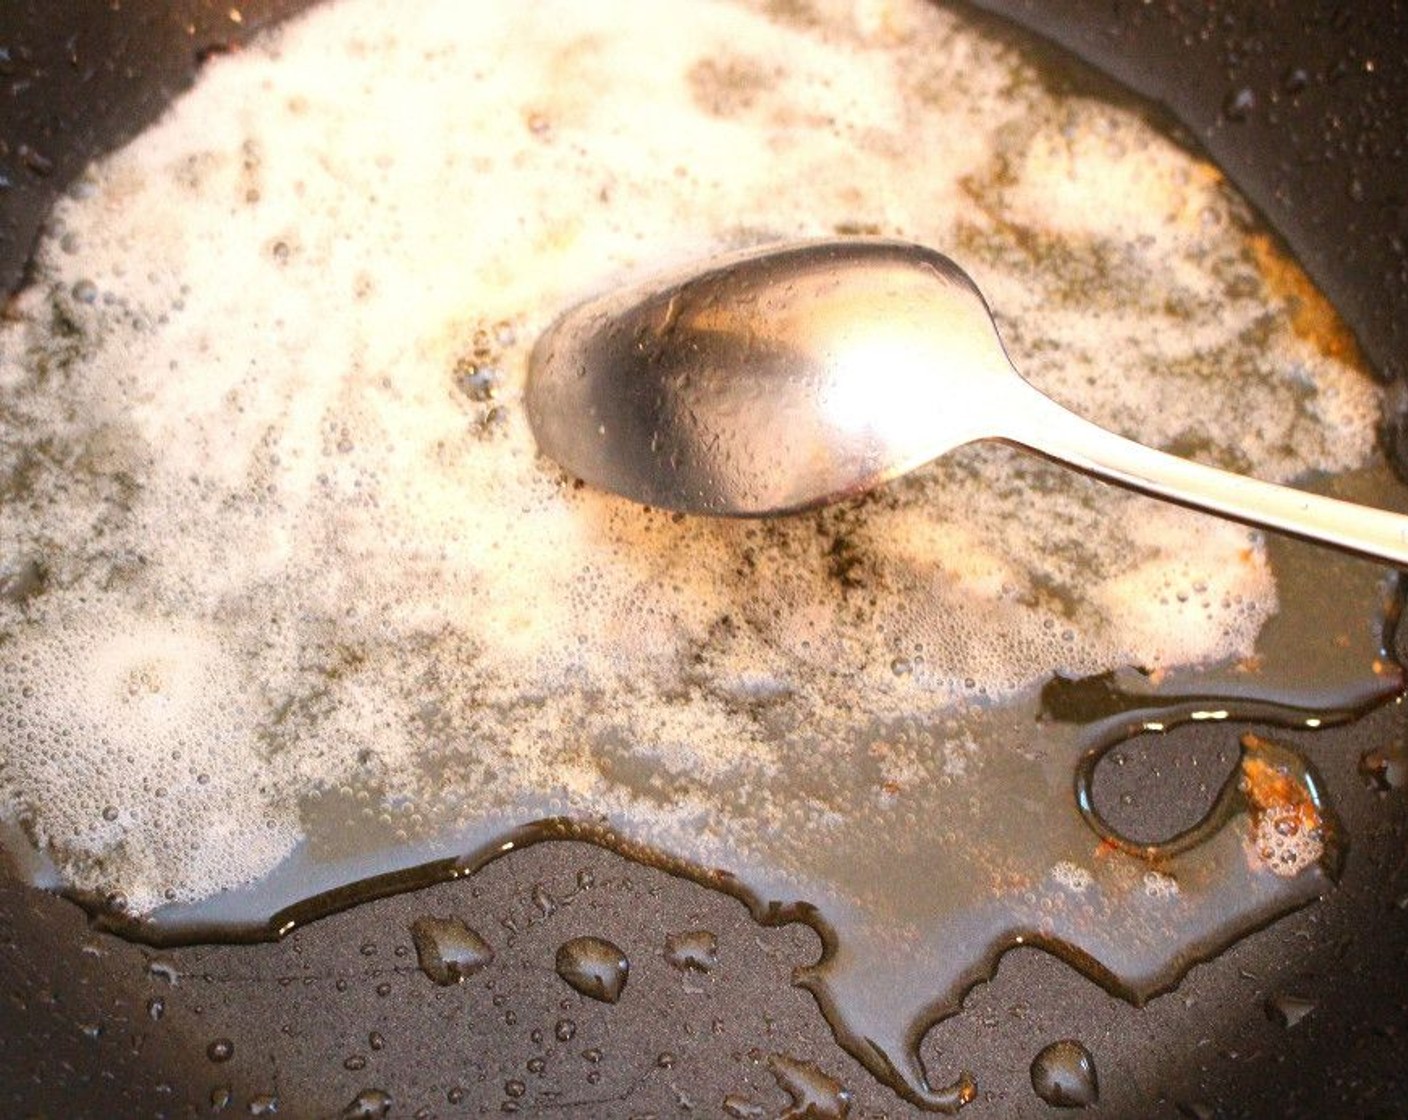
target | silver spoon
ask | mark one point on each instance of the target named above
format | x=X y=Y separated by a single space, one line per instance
x=782 y=378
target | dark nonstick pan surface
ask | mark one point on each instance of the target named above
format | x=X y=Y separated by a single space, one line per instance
x=1306 y=107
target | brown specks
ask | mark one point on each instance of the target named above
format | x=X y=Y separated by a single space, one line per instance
x=1312 y=317
x=729 y=86
x=192 y=170
x=798 y=13
x=251 y=171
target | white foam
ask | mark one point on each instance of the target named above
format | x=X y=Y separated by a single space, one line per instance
x=1073 y=876
x=258 y=486
x=132 y=740
x=1283 y=843
x=1160 y=886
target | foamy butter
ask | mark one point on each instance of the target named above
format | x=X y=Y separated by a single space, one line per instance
x=274 y=525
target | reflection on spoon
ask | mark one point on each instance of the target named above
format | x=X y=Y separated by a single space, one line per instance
x=784 y=378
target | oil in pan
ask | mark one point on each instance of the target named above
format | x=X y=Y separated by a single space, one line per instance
x=299 y=619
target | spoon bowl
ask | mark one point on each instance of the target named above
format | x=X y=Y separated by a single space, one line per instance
x=779 y=379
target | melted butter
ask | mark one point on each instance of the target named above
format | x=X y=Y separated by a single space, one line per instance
x=293 y=615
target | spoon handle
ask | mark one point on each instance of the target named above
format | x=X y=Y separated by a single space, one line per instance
x=1049 y=429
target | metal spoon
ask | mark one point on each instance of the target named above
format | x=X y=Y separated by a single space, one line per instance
x=783 y=378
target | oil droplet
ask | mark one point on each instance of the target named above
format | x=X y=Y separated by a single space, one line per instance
x=543 y=900
x=265 y=1104
x=814 y=1094
x=565 y=1030
x=35 y=161
x=156 y=1008
x=741 y=1108
x=160 y=969
x=448 y=950
x=694 y=951
x=220 y=1098
x=1288 y=1009
x=369 y=1104
x=1063 y=1075
x=593 y=966
x=1239 y=104
x=221 y=1050
x=1386 y=768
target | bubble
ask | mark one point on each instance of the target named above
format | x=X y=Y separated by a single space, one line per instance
x=1284 y=844
x=1072 y=876
x=1160 y=886
x=108 y=689
x=1289 y=828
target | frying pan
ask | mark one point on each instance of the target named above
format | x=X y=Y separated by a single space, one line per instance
x=1305 y=106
